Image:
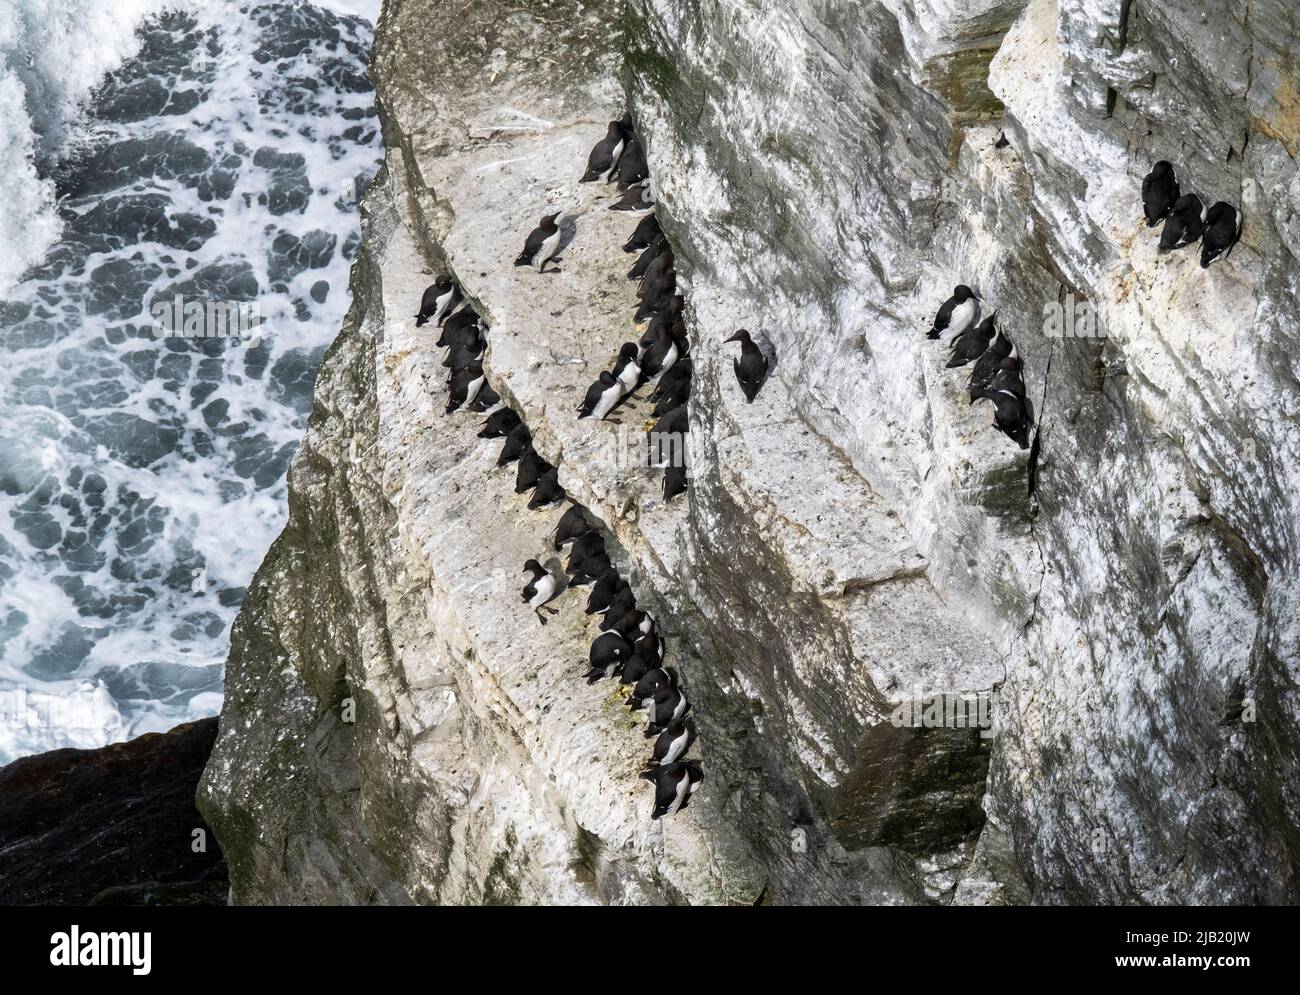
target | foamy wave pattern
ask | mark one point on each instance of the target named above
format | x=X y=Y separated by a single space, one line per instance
x=142 y=474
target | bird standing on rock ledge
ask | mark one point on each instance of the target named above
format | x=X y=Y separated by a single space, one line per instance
x=542 y=244
x=751 y=367
x=541 y=589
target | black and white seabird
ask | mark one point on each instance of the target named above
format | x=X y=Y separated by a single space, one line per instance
x=674 y=784
x=650 y=682
x=463 y=326
x=668 y=320
x=542 y=588
x=584 y=547
x=572 y=524
x=661 y=354
x=465 y=386
x=958 y=313
x=485 y=400
x=542 y=244
x=672 y=744
x=632 y=625
x=648 y=256
x=656 y=295
x=988 y=362
x=605 y=592
x=667 y=706
x=517 y=442
x=1184 y=225
x=601 y=397
x=462 y=355
x=548 y=490
x=1010 y=415
x=627 y=368
x=604 y=157
x=1009 y=377
x=662 y=263
x=637 y=198
x=632 y=166
x=438 y=300
x=675 y=381
x=624 y=601
x=751 y=367
x=1159 y=192
x=1222 y=230
x=499 y=424
x=667 y=438
x=609 y=651
x=971 y=344
x=644 y=234
x=531 y=467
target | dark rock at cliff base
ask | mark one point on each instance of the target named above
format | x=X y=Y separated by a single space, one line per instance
x=110 y=826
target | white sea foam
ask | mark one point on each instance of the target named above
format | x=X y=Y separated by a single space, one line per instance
x=120 y=573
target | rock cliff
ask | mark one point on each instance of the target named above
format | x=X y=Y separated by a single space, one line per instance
x=857 y=543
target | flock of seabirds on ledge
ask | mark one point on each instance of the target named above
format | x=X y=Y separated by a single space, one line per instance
x=997 y=376
x=629 y=644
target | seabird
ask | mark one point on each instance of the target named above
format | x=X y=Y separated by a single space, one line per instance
x=542 y=243
x=632 y=167
x=605 y=592
x=657 y=297
x=541 y=589
x=644 y=234
x=987 y=365
x=1185 y=224
x=438 y=300
x=572 y=524
x=648 y=256
x=627 y=370
x=661 y=355
x=672 y=744
x=531 y=467
x=1008 y=376
x=499 y=424
x=609 y=651
x=637 y=198
x=751 y=367
x=1159 y=192
x=1222 y=230
x=970 y=344
x=649 y=683
x=674 y=481
x=667 y=439
x=585 y=546
x=674 y=784
x=1010 y=415
x=604 y=157
x=667 y=706
x=519 y=440
x=463 y=326
x=601 y=397
x=465 y=386
x=548 y=490
x=957 y=314
x=632 y=625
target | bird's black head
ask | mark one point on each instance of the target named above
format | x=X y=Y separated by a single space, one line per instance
x=628 y=350
x=964 y=293
x=551 y=219
x=1187 y=202
x=607 y=378
x=740 y=336
x=1162 y=167
x=444 y=283
x=532 y=566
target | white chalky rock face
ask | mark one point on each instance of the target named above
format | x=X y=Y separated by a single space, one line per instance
x=1113 y=610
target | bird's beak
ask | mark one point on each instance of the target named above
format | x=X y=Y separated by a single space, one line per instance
x=734 y=338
